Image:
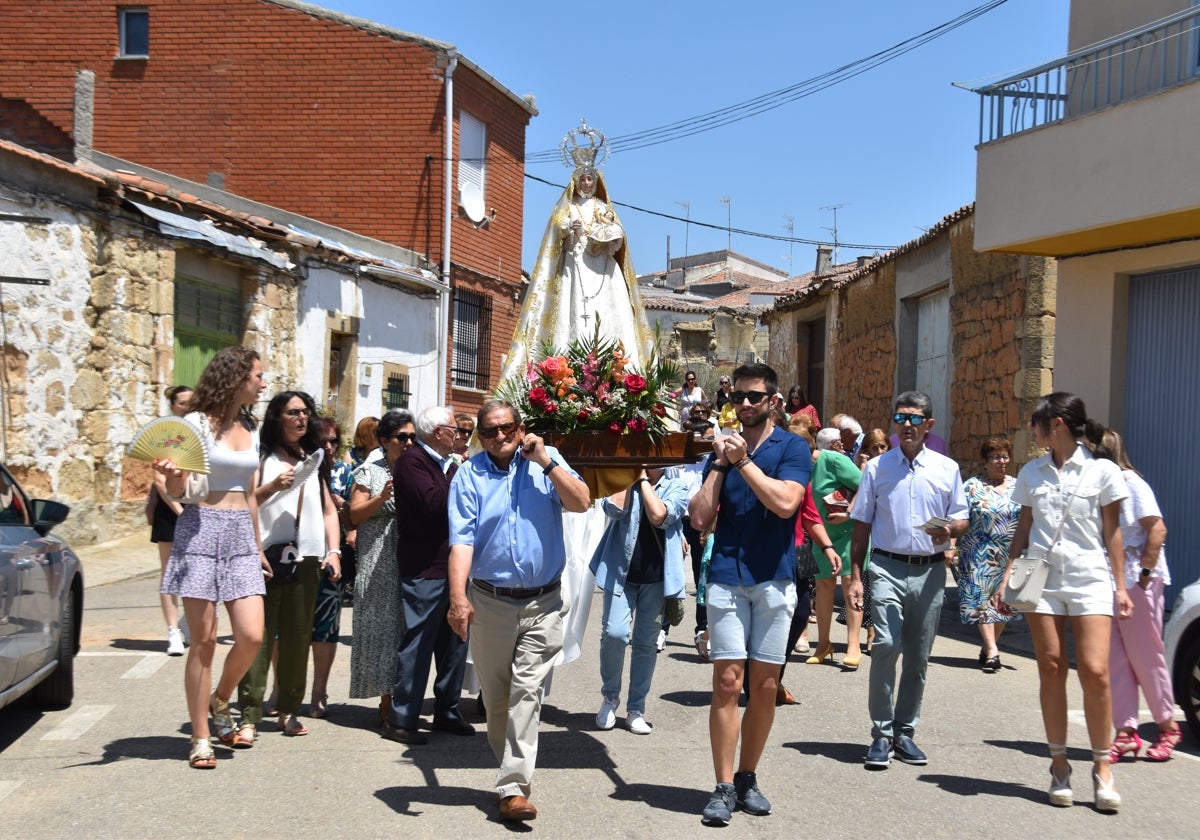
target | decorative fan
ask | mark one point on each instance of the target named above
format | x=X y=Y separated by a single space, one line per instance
x=171 y=437
x=300 y=475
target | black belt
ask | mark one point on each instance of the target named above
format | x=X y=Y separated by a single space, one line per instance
x=910 y=559
x=522 y=594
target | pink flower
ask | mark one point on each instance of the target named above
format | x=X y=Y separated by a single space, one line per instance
x=614 y=428
x=635 y=384
x=637 y=425
x=555 y=367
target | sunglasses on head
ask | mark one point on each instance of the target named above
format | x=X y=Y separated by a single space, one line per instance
x=403 y=437
x=755 y=397
x=911 y=419
x=490 y=432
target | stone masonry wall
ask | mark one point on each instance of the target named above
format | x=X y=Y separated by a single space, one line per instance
x=864 y=351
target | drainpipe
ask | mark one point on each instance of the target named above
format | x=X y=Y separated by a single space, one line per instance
x=443 y=364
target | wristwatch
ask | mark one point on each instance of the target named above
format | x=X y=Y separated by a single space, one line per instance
x=825 y=547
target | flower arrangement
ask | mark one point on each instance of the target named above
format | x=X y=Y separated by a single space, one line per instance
x=592 y=387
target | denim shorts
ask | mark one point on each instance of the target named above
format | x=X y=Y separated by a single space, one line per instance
x=750 y=621
x=1079 y=585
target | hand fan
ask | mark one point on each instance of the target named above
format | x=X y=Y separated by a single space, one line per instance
x=171 y=437
x=303 y=470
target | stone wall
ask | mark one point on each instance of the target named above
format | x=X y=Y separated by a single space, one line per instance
x=716 y=345
x=861 y=379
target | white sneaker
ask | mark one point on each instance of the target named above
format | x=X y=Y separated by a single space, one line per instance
x=637 y=724
x=606 y=718
x=661 y=645
x=174 y=642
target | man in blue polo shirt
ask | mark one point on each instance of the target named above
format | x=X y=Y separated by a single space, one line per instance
x=506 y=537
x=908 y=506
x=751 y=490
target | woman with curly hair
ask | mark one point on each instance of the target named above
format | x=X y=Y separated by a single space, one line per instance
x=217 y=553
x=304 y=516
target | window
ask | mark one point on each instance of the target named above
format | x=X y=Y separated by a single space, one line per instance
x=395 y=389
x=133 y=27
x=472 y=347
x=472 y=153
x=209 y=314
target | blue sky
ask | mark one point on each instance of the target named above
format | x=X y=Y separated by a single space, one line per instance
x=894 y=146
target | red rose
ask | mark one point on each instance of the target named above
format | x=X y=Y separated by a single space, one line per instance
x=614 y=428
x=538 y=396
x=637 y=425
x=550 y=408
x=635 y=384
x=660 y=409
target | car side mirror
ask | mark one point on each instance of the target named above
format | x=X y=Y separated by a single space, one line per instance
x=47 y=514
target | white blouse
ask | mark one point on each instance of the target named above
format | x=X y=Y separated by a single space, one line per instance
x=277 y=513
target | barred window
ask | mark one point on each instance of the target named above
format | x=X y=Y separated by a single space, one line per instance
x=472 y=344
x=396 y=393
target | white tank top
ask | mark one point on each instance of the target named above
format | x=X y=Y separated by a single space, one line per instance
x=229 y=469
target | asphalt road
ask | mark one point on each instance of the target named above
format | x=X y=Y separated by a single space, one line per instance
x=114 y=764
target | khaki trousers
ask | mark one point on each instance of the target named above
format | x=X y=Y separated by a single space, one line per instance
x=513 y=643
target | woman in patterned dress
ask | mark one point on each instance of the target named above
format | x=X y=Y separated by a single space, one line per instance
x=983 y=549
x=377 y=612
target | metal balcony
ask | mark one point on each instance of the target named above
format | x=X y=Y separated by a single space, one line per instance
x=1128 y=66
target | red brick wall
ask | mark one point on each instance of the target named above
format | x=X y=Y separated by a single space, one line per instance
x=311 y=115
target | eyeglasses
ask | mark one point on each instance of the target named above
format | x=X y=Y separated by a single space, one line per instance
x=330 y=442
x=297 y=412
x=403 y=437
x=755 y=397
x=999 y=458
x=911 y=419
x=490 y=432
x=459 y=431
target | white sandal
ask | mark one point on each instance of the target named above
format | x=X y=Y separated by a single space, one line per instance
x=202 y=756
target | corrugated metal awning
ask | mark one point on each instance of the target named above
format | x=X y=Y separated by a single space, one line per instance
x=173 y=224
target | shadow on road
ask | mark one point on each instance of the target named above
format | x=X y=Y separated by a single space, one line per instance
x=148 y=645
x=846 y=753
x=968 y=786
x=1038 y=749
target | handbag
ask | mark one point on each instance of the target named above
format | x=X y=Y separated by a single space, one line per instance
x=806 y=561
x=284 y=558
x=1029 y=569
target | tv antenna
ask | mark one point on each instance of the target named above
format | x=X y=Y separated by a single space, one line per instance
x=834 y=229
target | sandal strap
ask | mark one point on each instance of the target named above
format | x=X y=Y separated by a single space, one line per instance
x=1057 y=749
x=1101 y=756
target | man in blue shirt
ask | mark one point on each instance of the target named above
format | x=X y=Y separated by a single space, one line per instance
x=506 y=538
x=908 y=506
x=751 y=491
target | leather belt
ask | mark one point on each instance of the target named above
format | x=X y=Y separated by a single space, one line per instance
x=910 y=559
x=521 y=594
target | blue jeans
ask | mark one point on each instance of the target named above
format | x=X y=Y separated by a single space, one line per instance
x=638 y=608
x=907 y=602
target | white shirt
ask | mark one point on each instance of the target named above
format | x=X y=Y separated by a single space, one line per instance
x=897 y=498
x=1139 y=504
x=277 y=513
x=1045 y=490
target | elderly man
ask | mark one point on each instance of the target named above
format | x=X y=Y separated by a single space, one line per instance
x=751 y=490
x=506 y=539
x=852 y=435
x=909 y=504
x=421 y=485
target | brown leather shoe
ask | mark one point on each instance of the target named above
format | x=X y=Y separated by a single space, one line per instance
x=517 y=809
x=783 y=697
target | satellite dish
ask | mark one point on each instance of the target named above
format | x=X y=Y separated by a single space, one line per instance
x=470 y=198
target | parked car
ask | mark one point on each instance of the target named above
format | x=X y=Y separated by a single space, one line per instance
x=1182 y=639
x=41 y=600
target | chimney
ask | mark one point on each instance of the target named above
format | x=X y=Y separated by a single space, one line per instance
x=863 y=261
x=824 y=260
x=85 y=96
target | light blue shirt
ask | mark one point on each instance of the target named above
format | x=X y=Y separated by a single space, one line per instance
x=512 y=518
x=610 y=563
x=444 y=461
x=897 y=497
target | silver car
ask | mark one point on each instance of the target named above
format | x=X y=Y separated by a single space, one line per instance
x=41 y=600
x=1182 y=639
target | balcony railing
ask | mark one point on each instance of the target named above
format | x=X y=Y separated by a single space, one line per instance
x=1131 y=65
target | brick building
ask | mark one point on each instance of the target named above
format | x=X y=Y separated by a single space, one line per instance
x=302 y=108
x=974 y=331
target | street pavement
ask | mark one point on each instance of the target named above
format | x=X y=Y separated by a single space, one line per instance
x=113 y=765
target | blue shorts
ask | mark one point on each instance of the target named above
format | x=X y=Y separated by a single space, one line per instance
x=750 y=621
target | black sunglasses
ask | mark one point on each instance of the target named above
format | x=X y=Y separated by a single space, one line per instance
x=490 y=432
x=403 y=437
x=755 y=397
x=911 y=419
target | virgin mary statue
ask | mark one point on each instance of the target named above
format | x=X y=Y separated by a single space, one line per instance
x=583 y=270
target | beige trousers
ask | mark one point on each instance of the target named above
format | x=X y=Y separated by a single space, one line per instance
x=513 y=643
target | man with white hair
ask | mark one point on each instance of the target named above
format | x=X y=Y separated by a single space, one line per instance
x=421 y=486
x=852 y=436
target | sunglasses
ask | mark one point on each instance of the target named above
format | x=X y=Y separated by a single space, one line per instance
x=330 y=442
x=403 y=437
x=491 y=432
x=755 y=397
x=296 y=412
x=466 y=433
x=910 y=419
